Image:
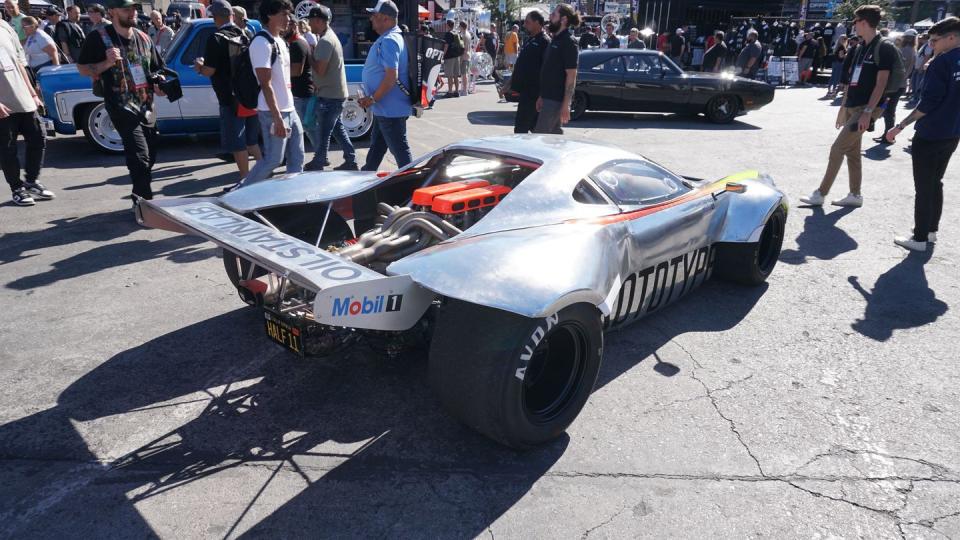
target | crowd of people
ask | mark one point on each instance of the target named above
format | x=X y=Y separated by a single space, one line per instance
x=874 y=74
x=296 y=68
x=297 y=71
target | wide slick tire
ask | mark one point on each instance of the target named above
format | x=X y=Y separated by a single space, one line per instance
x=752 y=263
x=517 y=380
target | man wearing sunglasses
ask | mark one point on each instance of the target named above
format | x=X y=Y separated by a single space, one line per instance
x=873 y=61
x=938 y=132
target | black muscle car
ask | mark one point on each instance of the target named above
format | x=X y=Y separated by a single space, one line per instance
x=648 y=81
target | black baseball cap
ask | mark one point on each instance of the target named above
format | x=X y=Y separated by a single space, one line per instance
x=320 y=12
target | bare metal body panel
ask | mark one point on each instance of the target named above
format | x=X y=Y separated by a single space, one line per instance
x=540 y=250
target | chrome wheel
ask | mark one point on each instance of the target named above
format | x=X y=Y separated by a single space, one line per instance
x=356 y=119
x=100 y=131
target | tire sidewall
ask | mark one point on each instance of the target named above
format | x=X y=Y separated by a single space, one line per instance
x=520 y=429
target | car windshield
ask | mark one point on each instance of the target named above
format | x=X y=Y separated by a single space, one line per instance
x=639 y=182
x=175 y=44
x=182 y=9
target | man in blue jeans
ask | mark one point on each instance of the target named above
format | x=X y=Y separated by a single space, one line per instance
x=330 y=87
x=384 y=71
x=280 y=125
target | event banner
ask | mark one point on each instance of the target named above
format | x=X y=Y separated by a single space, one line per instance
x=424 y=67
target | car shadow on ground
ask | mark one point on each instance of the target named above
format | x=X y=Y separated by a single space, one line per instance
x=900 y=299
x=95 y=228
x=392 y=462
x=820 y=238
x=616 y=120
x=63 y=231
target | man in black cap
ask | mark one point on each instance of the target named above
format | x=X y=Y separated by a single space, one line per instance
x=238 y=129
x=125 y=62
x=387 y=88
x=53 y=15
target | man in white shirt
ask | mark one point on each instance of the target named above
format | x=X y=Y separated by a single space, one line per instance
x=18 y=116
x=280 y=126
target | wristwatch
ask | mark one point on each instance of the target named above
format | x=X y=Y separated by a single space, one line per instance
x=868 y=110
x=899 y=127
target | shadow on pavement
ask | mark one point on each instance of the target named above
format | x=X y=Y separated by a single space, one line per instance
x=613 y=120
x=176 y=249
x=375 y=453
x=94 y=228
x=900 y=299
x=400 y=466
x=821 y=238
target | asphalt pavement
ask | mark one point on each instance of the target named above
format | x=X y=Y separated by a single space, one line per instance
x=141 y=398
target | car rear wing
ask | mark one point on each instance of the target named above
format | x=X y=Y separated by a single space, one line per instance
x=348 y=294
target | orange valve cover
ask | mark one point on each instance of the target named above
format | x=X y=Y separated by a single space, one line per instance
x=471 y=199
x=425 y=195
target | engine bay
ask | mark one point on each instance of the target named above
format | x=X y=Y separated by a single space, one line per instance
x=424 y=206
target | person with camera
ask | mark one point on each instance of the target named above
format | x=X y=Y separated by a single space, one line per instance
x=125 y=64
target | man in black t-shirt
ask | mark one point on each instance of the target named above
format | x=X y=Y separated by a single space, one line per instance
x=526 y=72
x=558 y=77
x=125 y=61
x=678 y=46
x=69 y=35
x=716 y=56
x=588 y=39
x=872 y=62
x=806 y=54
x=452 y=51
x=238 y=129
x=301 y=83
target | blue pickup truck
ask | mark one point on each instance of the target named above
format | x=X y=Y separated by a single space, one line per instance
x=71 y=105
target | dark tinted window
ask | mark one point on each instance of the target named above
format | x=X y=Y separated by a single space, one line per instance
x=639 y=183
x=642 y=64
x=612 y=65
x=197 y=46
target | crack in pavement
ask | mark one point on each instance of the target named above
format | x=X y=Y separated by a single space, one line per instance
x=939 y=471
x=892 y=514
x=713 y=399
x=605 y=523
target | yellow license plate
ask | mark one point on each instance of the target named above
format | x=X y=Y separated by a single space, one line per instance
x=283 y=332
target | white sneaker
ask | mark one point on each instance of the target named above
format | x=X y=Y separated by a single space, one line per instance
x=909 y=243
x=814 y=199
x=932 y=237
x=855 y=201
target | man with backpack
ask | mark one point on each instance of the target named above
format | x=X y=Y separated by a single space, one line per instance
x=872 y=62
x=280 y=125
x=896 y=87
x=239 y=127
x=452 y=52
x=124 y=63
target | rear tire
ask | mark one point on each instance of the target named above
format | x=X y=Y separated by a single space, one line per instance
x=517 y=380
x=98 y=129
x=751 y=263
x=578 y=106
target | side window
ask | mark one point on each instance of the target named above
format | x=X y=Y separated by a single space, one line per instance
x=643 y=64
x=612 y=66
x=585 y=193
x=639 y=183
x=195 y=48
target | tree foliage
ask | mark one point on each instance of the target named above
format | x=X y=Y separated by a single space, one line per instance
x=844 y=11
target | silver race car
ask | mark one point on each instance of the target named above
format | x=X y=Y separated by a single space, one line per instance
x=510 y=256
